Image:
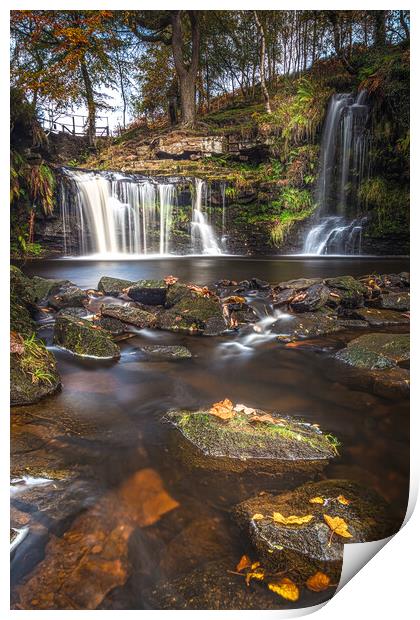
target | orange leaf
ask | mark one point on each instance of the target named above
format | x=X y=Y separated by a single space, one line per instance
x=263 y=418
x=243 y=563
x=318 y=582
x=343 y=500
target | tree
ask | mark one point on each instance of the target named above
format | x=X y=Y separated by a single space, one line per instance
x=262 y=64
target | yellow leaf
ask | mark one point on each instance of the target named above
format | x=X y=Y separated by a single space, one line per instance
x=255 y=565
x=258 y=516
x=243 y=563
x=316 y=500
x=292 y=520
x=258 y=575
x=318 y=582
x=285 y=588
x=338 y=526
x=343 y=500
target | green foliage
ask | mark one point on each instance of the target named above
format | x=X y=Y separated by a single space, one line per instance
x=390 y=204
x=35 y=361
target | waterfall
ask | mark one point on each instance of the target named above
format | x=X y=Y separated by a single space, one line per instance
x=203 y=239
x=343 y=166
x=114 y=215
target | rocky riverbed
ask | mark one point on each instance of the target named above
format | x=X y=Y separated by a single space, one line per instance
x=265 y=491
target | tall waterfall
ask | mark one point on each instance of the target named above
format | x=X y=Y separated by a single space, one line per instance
x=203 y=239
x=343 y=166
x=113 y=215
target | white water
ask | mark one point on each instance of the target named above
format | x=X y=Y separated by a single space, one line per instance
x=343 y=166
x=203 y=239
x=111 y=215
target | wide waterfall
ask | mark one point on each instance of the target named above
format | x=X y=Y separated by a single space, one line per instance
x=111 y=215
x=343 y=166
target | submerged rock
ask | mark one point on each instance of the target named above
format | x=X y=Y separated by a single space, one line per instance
x=377 y=317
x=194 y=313
x=305 y=325
x=245 y=443
x=297 y=285
x=303 y=549
x=376 y=351
x=129 y=314
x=33 y=371
x=84 y=339
x=67 y=295
x=150 y=292
x=166 y=351
x=113 y=286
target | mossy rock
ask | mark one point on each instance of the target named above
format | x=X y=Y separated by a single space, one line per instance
x=84 y=339
x=377 y=317
x=351 y=292
x=311 y=546
x=111 y=325
x=66 y=296
x=21 y=287
x=176 y=292
x=129 y=314
x=305 y=325
x=376 y=351
x=194 y=314
x=393 y=301
x=169 y=352
x=149 y=292
x=113 y=286
x=33 y=373
x=237 y=445
x=43 y=287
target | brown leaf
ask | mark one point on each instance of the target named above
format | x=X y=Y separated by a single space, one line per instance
x=223 y=409
x=170 y=280
x=318 y=582
x=266 y=417
x=285 y=588
x=243 y=563
x=292 y=520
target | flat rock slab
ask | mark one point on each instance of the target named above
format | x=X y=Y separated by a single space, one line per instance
x=376 y=351
x=84 y=339
x=113 y=286
x=129 y=314
x=194 y=314
x=312 y=546
x=393 y=301
x=150 y=292
x=377 y=317
x=239 y=444
x=68 y=295
x=170 y=352
x=312 y=298
x=297 y=285
x=305 y=325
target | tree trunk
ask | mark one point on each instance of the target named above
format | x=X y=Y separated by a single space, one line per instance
x=187 y=75
x=380 y=28
x=90 y=101
x=262 y=65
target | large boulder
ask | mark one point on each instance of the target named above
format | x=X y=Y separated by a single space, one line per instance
x=377 y=317
x=310 y=299
x=113 y=286
x=83 y=338
x=67 y=295
x=149 y=292
x=194 y=313
x=21 y=303
x=376 y=351
x=283 y=543
x=44 y=287
x=255 y=442
x=129 y=314
x=393 y=301
x=33 y=370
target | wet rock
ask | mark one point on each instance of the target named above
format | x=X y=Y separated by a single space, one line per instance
x=297 y=285
x=240 y=444
x=68 y=295
x=310 y=299
x=393 y=384
x=260 y=285
x=77 y=313
x=33 y=373
x=111 y=325
x=21 y=303
x=129 y=314
x=305 y=325
x=84 y=339
x=194 y=314
x=351 y=291
x=213 y=587
x=166 y=352
x=352 y=323
x=284 y=297
x=150 y=292
x=113 y=286
x=376 y=317
x=392 y=301
x=176 y=292
x=305 y=549
x=376 y=351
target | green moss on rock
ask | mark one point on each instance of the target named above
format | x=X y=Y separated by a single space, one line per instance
x=33 y=373
x=376 y=351
x=84 y=339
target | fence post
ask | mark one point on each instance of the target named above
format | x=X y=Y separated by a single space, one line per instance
x=74 y=126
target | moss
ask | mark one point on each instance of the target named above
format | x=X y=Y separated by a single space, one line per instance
x=33 y=373
x=84 y=339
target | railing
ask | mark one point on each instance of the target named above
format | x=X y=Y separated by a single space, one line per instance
x=73 y=126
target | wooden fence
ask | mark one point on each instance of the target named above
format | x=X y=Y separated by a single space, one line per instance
x=75 y=125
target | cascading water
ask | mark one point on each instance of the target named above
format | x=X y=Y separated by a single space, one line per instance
x=203 y=239
x=114 y=215
x=343 y=166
